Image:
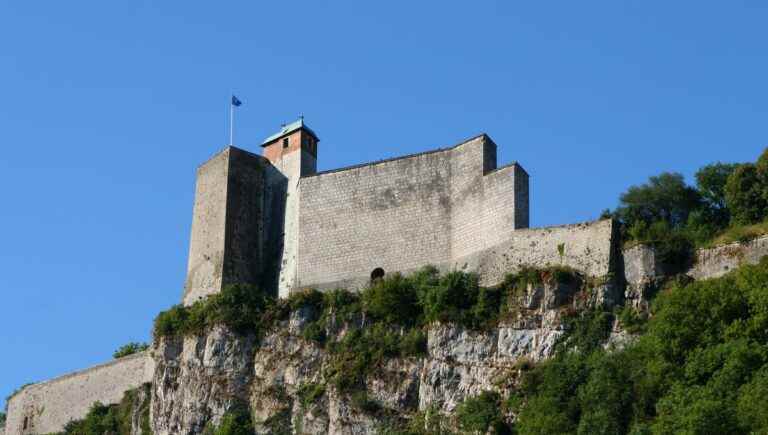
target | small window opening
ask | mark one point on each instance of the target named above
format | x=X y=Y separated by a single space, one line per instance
x=26 y=423
x=377 y=274
x=285 y=142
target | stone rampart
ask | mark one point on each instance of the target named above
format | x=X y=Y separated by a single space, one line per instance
x=404 y=213
x=590 y=248
x=47 y=406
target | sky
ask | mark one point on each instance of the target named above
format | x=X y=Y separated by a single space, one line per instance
x=107 y=108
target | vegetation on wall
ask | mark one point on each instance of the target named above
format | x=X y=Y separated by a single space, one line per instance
x=130 y=349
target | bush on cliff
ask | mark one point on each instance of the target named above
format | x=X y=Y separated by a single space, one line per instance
x=701 y=367
x=242 y=308
x=236 y=421
x=482 y=414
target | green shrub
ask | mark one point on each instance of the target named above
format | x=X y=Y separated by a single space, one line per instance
x=413 y=343
x=361 y=401
x=482 y=413
x=310 y=393
x=130 y=349
x=700 y=367
x=236 y=421
x=344 y=305
x=315 y=331
x=307 y=298
x=392 y=300
x=632 y=320
x=111 y=419
x=240 y=307
x=451 y=298
x=360 y=352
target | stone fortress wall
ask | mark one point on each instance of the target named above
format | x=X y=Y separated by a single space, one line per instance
x=47 y=406
x=404 y=213
x=226 y=245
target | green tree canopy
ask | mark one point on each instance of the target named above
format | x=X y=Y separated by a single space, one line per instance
x=711 y=180
x=664 y=197
x=745 y=195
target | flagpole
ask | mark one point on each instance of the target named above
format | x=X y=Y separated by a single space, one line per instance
x=231 y=122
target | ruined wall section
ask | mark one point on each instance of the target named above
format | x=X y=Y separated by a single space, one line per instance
x=226 y=243
x=716 y=262
x=48 y=406
x=393 y=214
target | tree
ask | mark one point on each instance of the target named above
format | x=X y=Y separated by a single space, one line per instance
x=745 y=195
x=711 y=181
x=665 y=197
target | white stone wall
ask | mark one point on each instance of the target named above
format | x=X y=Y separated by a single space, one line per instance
x=394 y=215
x=586 y=247
x=206 y=244
x=226 y=243
x=450 y=208
x=50 y=405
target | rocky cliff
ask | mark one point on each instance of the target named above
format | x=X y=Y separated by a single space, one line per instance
x=295 y=378
x=336 y=364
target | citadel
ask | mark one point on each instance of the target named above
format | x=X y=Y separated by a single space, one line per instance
x=273 y=221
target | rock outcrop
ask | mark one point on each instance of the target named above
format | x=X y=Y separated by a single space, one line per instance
x=286 y=383
x=198 y=378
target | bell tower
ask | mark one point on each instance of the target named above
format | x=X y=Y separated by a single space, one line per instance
x=292 y=153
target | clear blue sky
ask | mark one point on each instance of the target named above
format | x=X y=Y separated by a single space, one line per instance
x=106 y=108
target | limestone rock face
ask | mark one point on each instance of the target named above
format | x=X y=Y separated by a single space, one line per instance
x=288 y=381
x=198 y=378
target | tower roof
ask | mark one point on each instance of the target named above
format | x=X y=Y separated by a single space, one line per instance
x=288 y=129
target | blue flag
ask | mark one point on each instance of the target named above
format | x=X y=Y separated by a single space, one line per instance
x=235 y=101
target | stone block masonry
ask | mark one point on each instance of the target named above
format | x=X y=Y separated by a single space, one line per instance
x=47 y=406
x=589 y=248
x=226 y=245
x=404 y=213
x=717 y=261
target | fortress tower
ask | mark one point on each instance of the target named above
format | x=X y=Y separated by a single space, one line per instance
x=292 y=153
x=273 y=221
